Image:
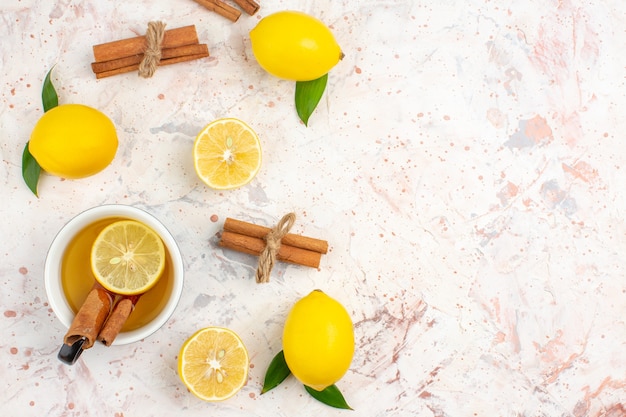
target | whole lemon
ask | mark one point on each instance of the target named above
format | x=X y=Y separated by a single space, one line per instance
x=318 y=340
x=294 y=46
x=73 y=141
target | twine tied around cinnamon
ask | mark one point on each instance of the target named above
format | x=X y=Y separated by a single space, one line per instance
x=267 y=258
x=152 y=54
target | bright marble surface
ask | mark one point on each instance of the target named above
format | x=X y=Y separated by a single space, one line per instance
x=466 y=165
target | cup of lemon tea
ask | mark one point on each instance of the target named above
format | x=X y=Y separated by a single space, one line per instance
x=68 y=277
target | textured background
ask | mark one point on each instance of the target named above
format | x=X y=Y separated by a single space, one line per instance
x=466 y=165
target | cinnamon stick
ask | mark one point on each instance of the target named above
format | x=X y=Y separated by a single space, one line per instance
x=221 y=8
x=117 y=318
x=254 y=246
x=168 y=53
x=163 y=62
x=172 y=38
x=90 y=317
x=290 y=239
x=248 y=6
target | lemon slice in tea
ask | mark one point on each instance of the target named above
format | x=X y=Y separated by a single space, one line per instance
x=213 y=364
x=227 y=154
x=127 y=257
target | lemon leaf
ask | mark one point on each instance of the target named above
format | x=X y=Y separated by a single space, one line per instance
x=30 y=170
x=276 y=372
x=49 y=94
x=308 y=95
x=330 y=396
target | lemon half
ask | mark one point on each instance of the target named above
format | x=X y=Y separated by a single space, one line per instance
x=213 y=364
x=127 y=257
x=227 y=154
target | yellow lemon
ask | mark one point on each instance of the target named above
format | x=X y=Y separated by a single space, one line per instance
x=127 y=257
x=294 y=46
x=318 y=340
x=227 y=154
x=73 y=141
x=213 y=364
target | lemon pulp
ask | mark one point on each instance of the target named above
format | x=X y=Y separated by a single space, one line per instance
x=213 y=364
x=227 y=154
x=127 y=257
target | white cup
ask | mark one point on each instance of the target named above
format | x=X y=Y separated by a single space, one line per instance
x=53 y=267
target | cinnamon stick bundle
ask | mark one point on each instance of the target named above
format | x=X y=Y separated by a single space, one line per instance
x=221 y=8
x=249 y=238
x=254 y=246
x=121 y=56
x=290 y=239
x=166 y=54
x=248 y=6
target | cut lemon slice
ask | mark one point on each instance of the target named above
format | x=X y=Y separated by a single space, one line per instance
x=227 y=154
x=127 y=257
x=213 y=364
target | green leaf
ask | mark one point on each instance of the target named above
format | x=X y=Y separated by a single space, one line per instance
x=30 y=170
x=330 y=396
x=48 y=93
x=276 y=372
x=308 y=95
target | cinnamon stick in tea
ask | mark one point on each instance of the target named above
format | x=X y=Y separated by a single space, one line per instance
x=290 y=239
x=113 y=326
x=221 y=8
x=248 y=6
x=90 y=317
x=172 y=38
x=254 y=246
